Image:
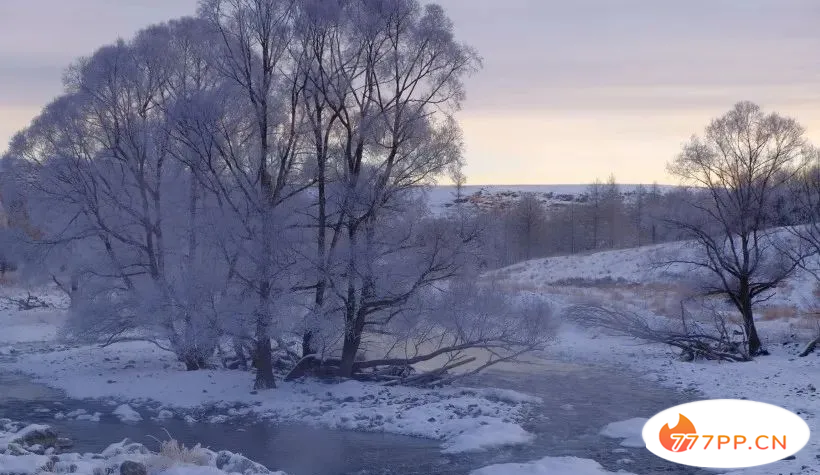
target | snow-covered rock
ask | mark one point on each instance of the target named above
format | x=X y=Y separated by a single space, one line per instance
x=548 y=466
x=126 y=413
x=628 y=430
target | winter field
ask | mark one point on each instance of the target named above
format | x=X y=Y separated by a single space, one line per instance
x=640 y=280
x=224 y=250
x=140 y=381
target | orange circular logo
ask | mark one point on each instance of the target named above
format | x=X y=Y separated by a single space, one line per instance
x=674 y=439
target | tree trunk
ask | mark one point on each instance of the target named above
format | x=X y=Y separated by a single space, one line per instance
x=753 y=340
x=349 y=351
x=263 y=353
x=751 y=334
x=194 y=362
x=350 y=348
x=307 y=343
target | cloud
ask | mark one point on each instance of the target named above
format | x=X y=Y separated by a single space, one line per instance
x=614 y=85
x=533 y=49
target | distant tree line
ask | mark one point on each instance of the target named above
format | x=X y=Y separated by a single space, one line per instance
x=602 y=217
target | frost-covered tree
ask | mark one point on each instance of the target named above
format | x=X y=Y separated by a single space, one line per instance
x=741 y=161
x=104 y=188
x=385 y=79
x=257 y=172
x=261 y=151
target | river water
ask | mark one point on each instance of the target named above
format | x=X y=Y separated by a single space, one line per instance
x=578 y=401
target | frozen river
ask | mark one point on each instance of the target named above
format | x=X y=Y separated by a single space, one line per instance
x=578 y=401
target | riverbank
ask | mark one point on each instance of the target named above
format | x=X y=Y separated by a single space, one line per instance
x=147 y=382
x=781 y=378
x=37 y=449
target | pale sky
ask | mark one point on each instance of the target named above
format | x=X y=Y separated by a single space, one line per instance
x=571 y=90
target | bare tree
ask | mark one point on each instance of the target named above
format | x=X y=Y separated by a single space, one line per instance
x=527 y=222
x=255 y=57
x=805 y=194
x=612 y=212
x=638 y=209
x=593 y=211
x=743 y=157
x=394 y=78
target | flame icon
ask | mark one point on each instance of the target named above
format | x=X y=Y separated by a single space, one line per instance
x=685 y=427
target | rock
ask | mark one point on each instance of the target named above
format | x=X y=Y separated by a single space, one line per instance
x=235 y=463
x=16 y=450
x=132 y=468
x=63 y=443
x=127 y=414
x=36 y=434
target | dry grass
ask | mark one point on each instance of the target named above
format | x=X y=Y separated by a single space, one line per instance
x=778 y=312
x=664 y=299
x=172 y=453
x=9 y=279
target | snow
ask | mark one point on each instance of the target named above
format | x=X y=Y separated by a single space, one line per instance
x=191 y=470
x=547 y=466
x=135 y=373
x=628 y=430
x=647 y=275
x=24 y=461
x=126 y=413
x=782 y=379
x=487 y=436
x=10 y=433
x=24 y=464
x=633 y=280
x=460 y=418
x=28 y=326
x=470 y=419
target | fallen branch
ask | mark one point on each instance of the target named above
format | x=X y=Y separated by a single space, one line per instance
x=694 y=342
x=29 y=303
x=429 y=377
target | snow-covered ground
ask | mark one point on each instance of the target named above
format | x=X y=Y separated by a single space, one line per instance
x=30 y=450
x=548 y=466
x=652 y=277
x=634 y=280
x=132 y=374
x=28 y=326
x=143 y=381
x=782 y=379
x=463 y=419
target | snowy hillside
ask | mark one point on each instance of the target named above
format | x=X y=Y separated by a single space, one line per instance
x=649 y=273
x=641 y=280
